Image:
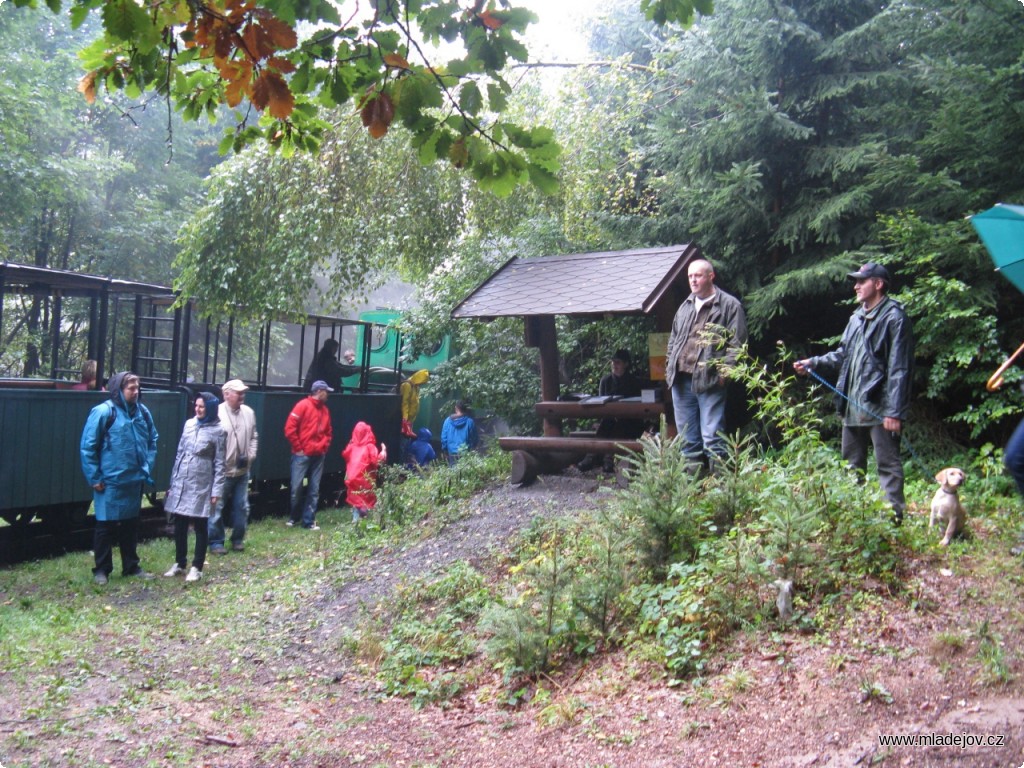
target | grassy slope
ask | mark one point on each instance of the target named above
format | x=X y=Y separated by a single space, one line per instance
x=90 y=675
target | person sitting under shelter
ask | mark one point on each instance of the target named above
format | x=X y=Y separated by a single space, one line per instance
x=619 y=383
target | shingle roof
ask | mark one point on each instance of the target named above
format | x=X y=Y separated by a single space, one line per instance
x=611 y=282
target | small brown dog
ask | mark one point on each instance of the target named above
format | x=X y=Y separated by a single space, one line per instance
x=946 y=506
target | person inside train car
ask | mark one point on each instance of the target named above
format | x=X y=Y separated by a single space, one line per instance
x=362 y=460
x=118 y=452
x=420 y=452
x=239 y=422
x=88 y=378
x=458 y=433
x=309 y=432
x=325 y=366
x=197 y=483
x=410 y=391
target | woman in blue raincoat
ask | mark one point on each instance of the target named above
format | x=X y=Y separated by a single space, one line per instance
x=118 y=451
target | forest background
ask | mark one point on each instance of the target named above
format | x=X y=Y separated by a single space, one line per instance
x=790 y=140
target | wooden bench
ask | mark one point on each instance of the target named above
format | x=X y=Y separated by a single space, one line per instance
x=533 y=456
x=29 y=384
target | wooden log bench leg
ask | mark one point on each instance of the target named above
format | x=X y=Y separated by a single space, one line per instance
x=527 y=465
x=533 y=456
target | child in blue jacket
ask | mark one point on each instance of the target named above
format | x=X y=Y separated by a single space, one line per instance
x=458 y=433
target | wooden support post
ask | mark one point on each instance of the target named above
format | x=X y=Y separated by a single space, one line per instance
x=541 y=333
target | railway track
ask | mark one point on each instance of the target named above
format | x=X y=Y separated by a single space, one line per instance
x=22 y=542
x=25 y=542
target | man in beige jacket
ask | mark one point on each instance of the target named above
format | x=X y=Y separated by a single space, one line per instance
x=239 y=421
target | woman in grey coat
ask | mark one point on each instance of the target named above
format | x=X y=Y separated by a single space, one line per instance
x=197 y=482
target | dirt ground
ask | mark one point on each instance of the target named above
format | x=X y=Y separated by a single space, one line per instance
x=779 y=699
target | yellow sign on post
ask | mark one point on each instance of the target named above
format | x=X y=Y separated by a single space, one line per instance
x=657 y=344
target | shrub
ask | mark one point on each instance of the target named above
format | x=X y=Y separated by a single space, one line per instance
x=662 y=505
x=535 y=621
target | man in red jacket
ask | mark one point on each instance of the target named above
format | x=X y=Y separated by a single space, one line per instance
x=308 y=429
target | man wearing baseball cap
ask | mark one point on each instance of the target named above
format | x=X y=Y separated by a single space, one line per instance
x=239 y=421
x=308 y=429
x=875 y=360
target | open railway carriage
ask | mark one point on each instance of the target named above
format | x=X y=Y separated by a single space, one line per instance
x=126 y=325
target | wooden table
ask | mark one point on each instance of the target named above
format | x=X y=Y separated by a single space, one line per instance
x=616 y=409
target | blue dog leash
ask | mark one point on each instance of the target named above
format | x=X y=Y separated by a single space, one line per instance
x=869 y=412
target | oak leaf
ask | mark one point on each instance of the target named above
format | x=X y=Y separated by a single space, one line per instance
x=377 y=114
x=238 y=76
x=237 y=9
x=458 y=153
x=258 y=44
x=87 y=86
x=396 y=60
x=280 y=34
x=235 y=69
x=224 y=42
x=271 y=92
x=489 y=20
x=282 y=65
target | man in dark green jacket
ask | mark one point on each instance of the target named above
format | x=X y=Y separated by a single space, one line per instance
x=708 y=331
x=876 y=363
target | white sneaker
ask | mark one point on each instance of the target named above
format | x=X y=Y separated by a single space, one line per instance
x=194 y=574
x=176 y=570
x=313 y=527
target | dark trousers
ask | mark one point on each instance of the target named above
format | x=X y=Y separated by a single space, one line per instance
x=304 y=500
x=624 y=429
x=887 y=456
x=181 y=524
x=1013 y=457
x=126 y=534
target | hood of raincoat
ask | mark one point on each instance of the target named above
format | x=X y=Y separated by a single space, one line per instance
x=114 y=384
x=361 y=455
x=362 y=434
x=212 y=414
x=420 y=377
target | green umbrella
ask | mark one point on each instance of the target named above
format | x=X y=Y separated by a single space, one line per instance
x=1001 y=229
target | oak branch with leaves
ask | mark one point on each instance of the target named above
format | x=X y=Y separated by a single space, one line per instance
x=277 y=62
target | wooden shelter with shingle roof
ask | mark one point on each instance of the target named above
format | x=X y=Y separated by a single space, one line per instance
x=642 y=281
x=609 y=283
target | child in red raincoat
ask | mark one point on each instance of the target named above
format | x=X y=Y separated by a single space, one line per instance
x=361 y=461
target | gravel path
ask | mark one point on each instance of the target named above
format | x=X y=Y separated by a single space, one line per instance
x=491 y=518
